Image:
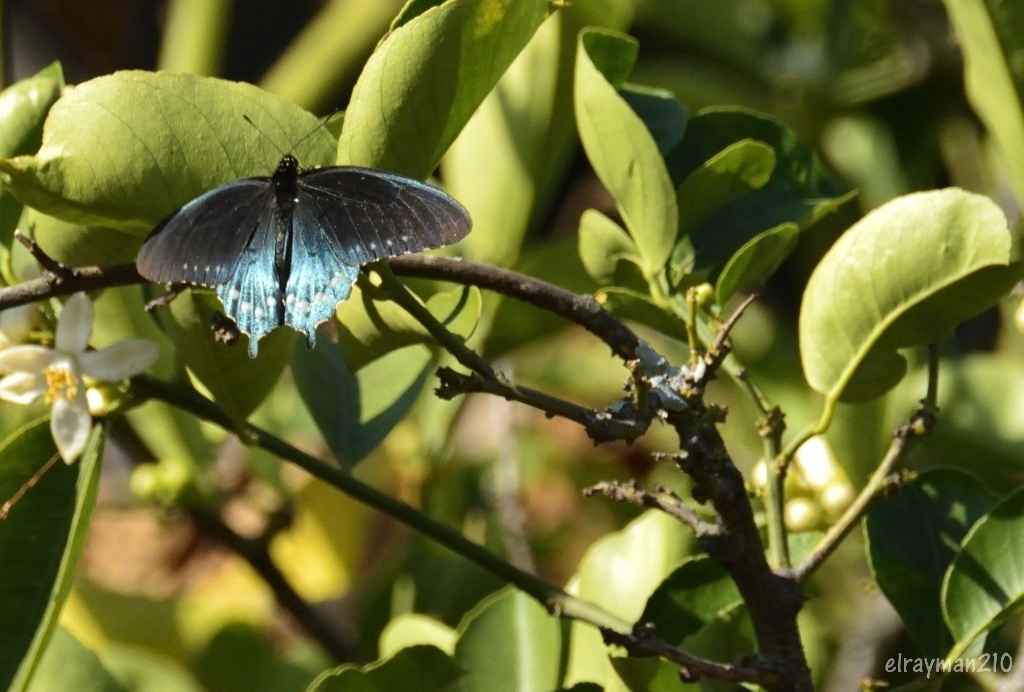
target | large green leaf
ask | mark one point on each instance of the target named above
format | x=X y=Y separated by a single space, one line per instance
x=603 y=244
x=414 y=629
x=913 y=537
x=67 y=665
x=371 y=325
x=904 y=275
x=619 y=573
x=985 y=585
x=991 y=36
x=506 y=164
x=659 y=109
x=757 y=260
x=125 y=150
x=356 y=412
x=237 y=382
x=427 y=78
x=620 y=147
x=421 y=668
x=798 y=188
x=509 y=643
x=40 y=543
x=24 y=107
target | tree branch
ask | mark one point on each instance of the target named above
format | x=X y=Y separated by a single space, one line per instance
x=49 y=284
x=674 y=507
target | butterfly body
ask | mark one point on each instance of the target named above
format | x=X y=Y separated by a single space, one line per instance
x=285 y=250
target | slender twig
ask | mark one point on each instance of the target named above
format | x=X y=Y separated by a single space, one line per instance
x=673 y=506
x=553 y=598
x=921 y=425
x=581 y=309
x=5 y=509
x=256 y=553
x=165 y=298
x=50 y=285
x=59 y=271
x=717 y=350
x=694 y=668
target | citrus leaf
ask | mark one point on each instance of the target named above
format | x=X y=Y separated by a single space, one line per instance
x=603 y=244
x=24 y=106
x=991 y=35
x=236 y=382
x=127 y=149
x=660 y=111
x=913 y=537
x=985 y=586
x=414 y=629
x=40 y=543
x=421 y=668
x=427 y=78
x=509 y=642
x=904 y=275
x=370 y=325
x=756 y=261
x=631 y=305
x=67 y=665
x=621 y=149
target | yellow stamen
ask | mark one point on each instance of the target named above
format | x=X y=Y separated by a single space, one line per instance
x=60 y=384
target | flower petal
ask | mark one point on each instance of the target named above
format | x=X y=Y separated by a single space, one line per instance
x=16 y=323
x=74 y=326
x=70 y=424
x=123 y=359
x=26 y=359
x=22 y=387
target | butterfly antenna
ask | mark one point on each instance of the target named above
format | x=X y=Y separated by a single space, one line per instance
x=265 y=136
x=322 y=124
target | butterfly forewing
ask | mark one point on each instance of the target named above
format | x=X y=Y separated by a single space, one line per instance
x=374 y=214
x=202 y=242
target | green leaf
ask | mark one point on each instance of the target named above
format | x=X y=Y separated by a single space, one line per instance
x=904 y=275
x=985 y=586
x=991 y=35
x=756 y=261
x=621 y=149
x=236 y=382
x=127 y=149
x=691 y=597
x=739 y=168
x=427 y=78
x=414 y=629
x=24 y=106
x=40 y=543
x=371 y=325
x=421 y=668
x=509 y=642
x=619 y=573
x=67 y=665
x=913 y=538
x=356 y=412
x=798 y=189
x=603 y=244
x=660 y=111
x=637 y=307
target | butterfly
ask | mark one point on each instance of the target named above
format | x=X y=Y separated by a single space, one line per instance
x=286 y=249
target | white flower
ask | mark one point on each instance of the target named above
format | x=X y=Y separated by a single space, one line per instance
x=57 y=373
x=15 y=324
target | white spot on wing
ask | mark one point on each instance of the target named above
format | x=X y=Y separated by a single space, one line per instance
x=246 y=306
x=233 y=294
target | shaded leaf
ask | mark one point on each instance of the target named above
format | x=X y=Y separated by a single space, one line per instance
x=913 y=538
x=660 y=111
x=904 y=275
x=603 y=243
x=985 y=586
x=40 y=543
x=67 y=665
x=631 y=305
x=756 y=261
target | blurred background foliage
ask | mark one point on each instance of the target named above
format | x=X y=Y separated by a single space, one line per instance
x=876 y=86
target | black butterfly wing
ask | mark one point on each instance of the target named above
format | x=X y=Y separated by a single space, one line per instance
x=374 y=214
x=320 y=276
x=202 y=242
x=252 y=294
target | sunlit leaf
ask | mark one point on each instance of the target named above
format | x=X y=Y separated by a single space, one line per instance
x=67 y=665
x=904 y=275
x=603 y=244
x=422 y=668
x=414 y=629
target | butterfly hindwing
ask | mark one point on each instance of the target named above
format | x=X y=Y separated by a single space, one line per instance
x=252 y=296
x=374 y=214
x=318 y=279
x=201 y=243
